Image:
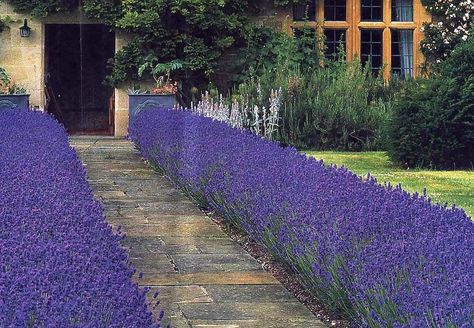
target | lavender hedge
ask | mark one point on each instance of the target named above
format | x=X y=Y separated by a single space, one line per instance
x=383 y=257
x=61 y=265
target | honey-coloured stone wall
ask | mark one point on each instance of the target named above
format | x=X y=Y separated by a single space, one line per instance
x=24 y=58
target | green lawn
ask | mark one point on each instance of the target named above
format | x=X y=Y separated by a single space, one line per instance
x=442 y=186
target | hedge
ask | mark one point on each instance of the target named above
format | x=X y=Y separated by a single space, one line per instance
x=382 y=256
x=61 y=265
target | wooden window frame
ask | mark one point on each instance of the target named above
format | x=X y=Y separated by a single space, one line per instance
x=353 y=26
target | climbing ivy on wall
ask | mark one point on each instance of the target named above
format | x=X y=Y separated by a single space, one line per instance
x=452 y=24
x=199 y=31
x=196 y=31
x=41 y=8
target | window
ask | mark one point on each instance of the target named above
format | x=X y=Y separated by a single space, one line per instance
x=380 y=32
x=402 y=53
x=333 y=41
x=304 y=10
x=371 y=10
x=335 y=10
x=371 y=49
x=402 y=10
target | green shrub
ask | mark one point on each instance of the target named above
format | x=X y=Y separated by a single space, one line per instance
x=335 y=107
x=271 y=51
x=433 y=122
x=323 y=104
x=3 y=25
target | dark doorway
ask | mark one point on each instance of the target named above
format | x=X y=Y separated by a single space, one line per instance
x=76 y=65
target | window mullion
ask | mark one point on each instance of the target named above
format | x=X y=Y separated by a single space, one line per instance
x=387 y=18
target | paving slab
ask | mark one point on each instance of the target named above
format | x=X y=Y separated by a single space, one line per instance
x=252 y=277
x=205 y=279
x=249 y=293
x=215 y=262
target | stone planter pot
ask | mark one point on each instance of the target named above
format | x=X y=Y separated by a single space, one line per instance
x=21 y=102
x=139 y=103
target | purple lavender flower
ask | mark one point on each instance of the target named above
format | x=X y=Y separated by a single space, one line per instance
x=383 y=257
x=61 y=265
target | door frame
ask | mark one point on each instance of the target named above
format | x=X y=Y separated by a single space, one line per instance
x=77 y=18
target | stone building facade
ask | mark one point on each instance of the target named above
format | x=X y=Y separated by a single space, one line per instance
x=26 y=59
x=385 y=33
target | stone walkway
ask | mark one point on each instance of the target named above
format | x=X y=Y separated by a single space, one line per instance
x=205 y=279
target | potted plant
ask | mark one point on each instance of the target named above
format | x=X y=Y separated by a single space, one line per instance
x=163 y=95
x=12 y=96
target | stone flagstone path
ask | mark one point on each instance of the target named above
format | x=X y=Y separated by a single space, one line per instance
x=205 y=278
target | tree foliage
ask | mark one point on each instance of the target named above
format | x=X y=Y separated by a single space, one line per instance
x=41 y=8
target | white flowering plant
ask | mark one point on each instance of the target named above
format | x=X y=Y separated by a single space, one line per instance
x=244 y=110
x=452 y=24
